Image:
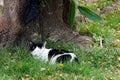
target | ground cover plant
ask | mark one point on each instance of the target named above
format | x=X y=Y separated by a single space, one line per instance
x=96 y=62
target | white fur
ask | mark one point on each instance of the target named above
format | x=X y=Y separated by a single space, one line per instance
x=42 y=53
x=54 y=58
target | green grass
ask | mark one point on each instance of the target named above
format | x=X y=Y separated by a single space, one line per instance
x=108 y=31
x=96 y=63
x=95 y=5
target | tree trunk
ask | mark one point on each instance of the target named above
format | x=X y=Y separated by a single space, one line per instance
x=52 y=22
x=10 y=22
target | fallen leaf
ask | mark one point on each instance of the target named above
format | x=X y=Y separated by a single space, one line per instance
x=119 y=59
x=42 y=69
x=116 y=43
x=60 y=65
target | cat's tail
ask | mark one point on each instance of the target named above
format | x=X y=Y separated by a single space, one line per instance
x=76 y=60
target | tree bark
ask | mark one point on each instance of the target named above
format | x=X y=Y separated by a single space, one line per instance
x=52 y=16
x=52 y=22
x=10 y=21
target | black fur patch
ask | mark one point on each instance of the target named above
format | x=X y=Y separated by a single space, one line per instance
x=34 y=45
x=76 y=60
x=55 y=52
x=64 y=58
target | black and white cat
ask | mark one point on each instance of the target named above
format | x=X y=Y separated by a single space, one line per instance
x=39 y=51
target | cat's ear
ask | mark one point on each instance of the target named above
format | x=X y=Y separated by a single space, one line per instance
x=44 y=44
x=30 y=43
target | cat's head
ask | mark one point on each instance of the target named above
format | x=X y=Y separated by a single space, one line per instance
x=37 y=49
x=33 y=45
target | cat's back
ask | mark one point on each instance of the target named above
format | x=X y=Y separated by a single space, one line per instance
x=54 y=52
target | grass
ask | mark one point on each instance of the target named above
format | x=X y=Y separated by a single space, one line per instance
x=96 y=63
x=97 y=4
x=109 y=31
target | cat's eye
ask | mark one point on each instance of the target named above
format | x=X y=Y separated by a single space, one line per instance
x=33 y=47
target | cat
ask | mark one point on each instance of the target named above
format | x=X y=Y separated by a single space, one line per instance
x=39 y=51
